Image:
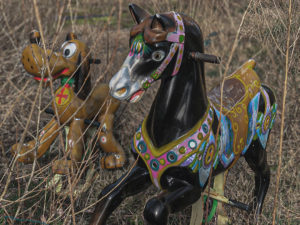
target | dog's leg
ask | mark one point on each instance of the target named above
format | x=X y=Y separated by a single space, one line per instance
x=75 y=146
x=109 y=144
x=46 y=137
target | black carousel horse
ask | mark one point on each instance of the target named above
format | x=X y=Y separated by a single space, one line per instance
x=185 y=136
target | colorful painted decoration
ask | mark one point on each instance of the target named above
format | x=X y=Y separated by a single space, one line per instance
x=74 y=101
x=183 y=148
x=188 y=133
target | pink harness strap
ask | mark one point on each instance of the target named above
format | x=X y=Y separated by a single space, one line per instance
x=177 y=39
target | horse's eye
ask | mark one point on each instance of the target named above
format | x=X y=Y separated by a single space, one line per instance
x=69 y=49
x=158 y=55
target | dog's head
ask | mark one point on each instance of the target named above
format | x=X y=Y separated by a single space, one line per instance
x=73 y=57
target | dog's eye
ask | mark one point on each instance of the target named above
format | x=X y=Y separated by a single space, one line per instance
x=158 y=55
x=69 y=50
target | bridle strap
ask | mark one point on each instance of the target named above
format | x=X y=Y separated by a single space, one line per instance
x=177 y=39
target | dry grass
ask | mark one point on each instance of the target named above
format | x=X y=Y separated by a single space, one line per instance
x=105 y=25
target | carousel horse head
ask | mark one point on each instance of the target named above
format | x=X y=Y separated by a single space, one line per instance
x=159 y=46
x=72 y=61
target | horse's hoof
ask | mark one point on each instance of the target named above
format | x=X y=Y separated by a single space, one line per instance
x=112 y=161
x=27 y=158
x=62 y=167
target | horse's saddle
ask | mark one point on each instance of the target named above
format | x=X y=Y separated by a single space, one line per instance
x=238 y=90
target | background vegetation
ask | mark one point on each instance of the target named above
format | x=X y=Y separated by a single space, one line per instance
x=236 y=30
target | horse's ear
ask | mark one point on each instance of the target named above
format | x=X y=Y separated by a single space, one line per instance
x=138 y=14
x=71 y=36
x=157 y=23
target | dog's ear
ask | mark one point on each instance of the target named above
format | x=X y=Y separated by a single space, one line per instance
x=71 y=36
x=81 y=77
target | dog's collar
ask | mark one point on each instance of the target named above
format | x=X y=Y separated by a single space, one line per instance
x=66 y=80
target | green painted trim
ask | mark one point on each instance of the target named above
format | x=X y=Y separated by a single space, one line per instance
x=64 y=80
x=213 y=210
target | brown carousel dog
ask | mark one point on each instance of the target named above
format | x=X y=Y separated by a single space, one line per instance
x=74 y=102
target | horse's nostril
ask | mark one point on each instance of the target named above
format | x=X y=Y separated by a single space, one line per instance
x=121 y=91
x=31 y=67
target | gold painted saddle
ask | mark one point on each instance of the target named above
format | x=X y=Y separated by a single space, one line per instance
x=238 y=90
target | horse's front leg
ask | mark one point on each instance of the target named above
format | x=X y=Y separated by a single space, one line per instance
x=179 y=195
x=131 y=183
x=26 y=153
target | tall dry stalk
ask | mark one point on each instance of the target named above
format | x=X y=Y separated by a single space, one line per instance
x=283 y=110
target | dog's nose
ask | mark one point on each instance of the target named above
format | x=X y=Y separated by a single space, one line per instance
x=35 y=37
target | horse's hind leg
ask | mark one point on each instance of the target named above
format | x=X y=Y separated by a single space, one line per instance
x=256 y=157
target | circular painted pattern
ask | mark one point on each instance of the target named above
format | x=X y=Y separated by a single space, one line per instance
x=171 y=157
x=192 y=144
x=142 y=147
x=182 y=150
x=205 y=128
x=103 y=139
x=238 y=110
x=63 y=96
x=154 y=164
x=162 y=161
x=138 y=135
x=155 y=75
x=146 y=85
x=147 y=156
x=209 y=155
x=266 y=123
x=200 y=136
